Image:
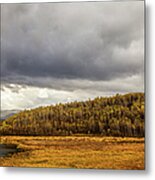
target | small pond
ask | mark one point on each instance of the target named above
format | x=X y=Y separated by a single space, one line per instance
x=8 y=149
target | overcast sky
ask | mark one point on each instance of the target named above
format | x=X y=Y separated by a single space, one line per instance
x=60 y=52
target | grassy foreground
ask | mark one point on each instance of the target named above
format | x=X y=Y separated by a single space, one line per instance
x=75 y=152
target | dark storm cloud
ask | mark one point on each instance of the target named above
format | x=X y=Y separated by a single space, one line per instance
x=81 y=41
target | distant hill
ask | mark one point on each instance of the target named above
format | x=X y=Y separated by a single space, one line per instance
x=4 y=114
x=120 y=115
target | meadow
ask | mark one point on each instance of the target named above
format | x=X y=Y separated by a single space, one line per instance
x=75 y=152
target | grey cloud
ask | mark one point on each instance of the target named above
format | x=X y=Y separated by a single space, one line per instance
x=133 y=83
x=67 y=41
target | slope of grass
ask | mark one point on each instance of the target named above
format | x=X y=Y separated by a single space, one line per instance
x=76 y=152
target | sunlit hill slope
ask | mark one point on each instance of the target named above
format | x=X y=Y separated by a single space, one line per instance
x=120 y=115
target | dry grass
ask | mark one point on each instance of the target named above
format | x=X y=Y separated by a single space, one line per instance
x=76 y=152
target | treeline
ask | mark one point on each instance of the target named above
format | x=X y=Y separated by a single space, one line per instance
x=120 y=115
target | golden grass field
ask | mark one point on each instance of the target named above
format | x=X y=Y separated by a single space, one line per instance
x=75 y=152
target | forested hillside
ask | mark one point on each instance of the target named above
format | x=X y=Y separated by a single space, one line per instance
x=120 y=115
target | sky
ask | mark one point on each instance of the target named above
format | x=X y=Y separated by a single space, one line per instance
x=62 y=52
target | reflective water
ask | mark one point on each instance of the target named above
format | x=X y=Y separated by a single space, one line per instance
x=8 y=149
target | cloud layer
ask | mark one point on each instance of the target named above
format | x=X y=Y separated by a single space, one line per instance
x=73 y=46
